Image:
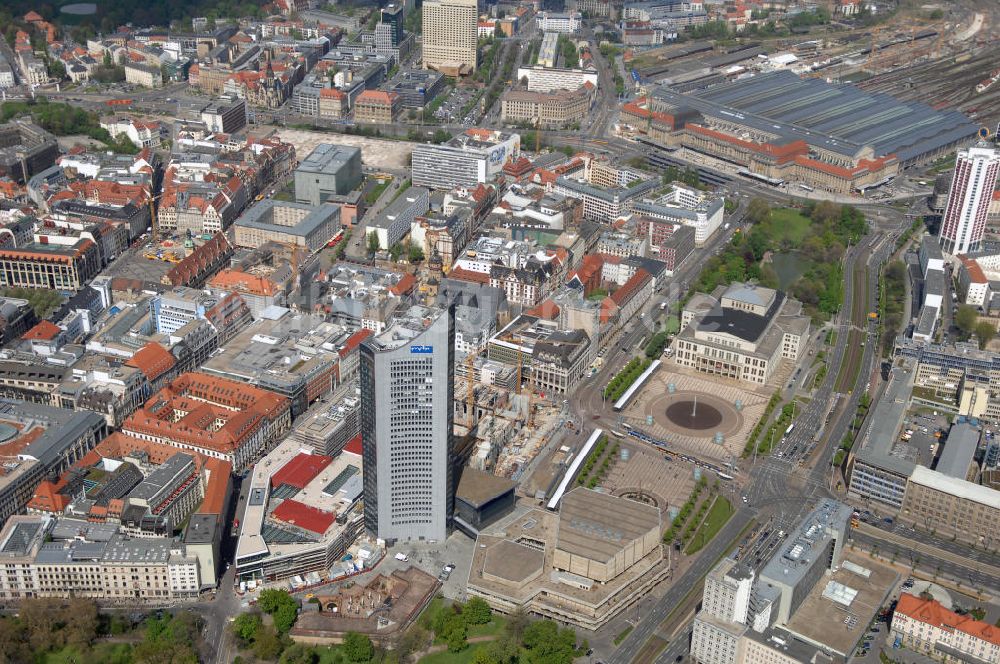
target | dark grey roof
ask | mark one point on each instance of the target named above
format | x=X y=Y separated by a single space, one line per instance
x=742 y=324
x=838 y=118
x=959 y=448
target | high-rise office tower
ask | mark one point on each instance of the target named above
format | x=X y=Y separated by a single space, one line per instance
x=450 y=33
x=972 y=186
x=392 y=20
x=727 y=591
x=407 y=384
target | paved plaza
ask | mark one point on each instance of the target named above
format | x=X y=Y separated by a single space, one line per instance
x=690 y=411
x=649 y=474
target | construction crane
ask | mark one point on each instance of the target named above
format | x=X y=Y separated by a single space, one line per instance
x=154 y=226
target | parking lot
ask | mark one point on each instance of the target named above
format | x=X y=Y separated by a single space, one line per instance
x=432 y=557
x=450 y=112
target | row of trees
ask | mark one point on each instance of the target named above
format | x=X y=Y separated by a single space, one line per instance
x=71 y=627
x=677 y=526
x=624 y=378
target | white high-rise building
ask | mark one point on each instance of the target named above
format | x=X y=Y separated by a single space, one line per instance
x=972 y=187
x=725 y=607
x=450 y=34
x=407 y=387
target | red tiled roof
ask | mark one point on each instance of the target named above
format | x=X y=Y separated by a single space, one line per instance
x=44 y=331
x=931 y=612
x=469 y=275
x=631 y=287
x=354 y=445
x=47 y=497
x=976 y=274
x=301 y=470
x=354 y=341
x=243 y=282
x=782 y=153
x=377 y=97
x=404 y=285
x=153 y=360
x=303 y=516
x=217 y=487
x=546 y=309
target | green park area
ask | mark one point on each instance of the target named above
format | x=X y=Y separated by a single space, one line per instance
x=799 y=251
x=718 y=515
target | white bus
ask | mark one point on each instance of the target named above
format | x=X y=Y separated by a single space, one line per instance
x=789 y=429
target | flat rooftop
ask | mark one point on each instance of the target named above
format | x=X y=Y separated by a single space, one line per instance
x=328 y=158
x=959 y=449
x=478 y=488
x=826 y=618
x=333 y=490
x=268 y=214
x=839 y=118
x=880 y=446
x=514 y=562
x=406 y=328
x=598 y=525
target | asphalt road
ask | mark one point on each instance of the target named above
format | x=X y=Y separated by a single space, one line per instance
x=689 y=581
x=776 y=492
x=968 y=573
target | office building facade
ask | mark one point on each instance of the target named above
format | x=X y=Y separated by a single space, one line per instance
x=450 y=34
x=407 y=385
x=329 y=170
x=972 y=187
x=476 y=156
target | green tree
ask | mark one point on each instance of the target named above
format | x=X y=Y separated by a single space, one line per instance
x=415 y=254
x=57 y=69
x=299 y=653
x=547 y=644
x=966 y=318
x=985 y=331
x=246 y=625
x=454 y=631
x=395 y=251
x=501 y=651
x=267 y=645
x=477 y=611
x=758 y=211
x=285 y=617
x=373 y=243
x=358 y=647
x=517 y=622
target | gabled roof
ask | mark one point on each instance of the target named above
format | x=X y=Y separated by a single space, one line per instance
x=44 y=331
x=153 y=360
x=931 y=612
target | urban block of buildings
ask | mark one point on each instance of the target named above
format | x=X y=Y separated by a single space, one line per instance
x=741 y=331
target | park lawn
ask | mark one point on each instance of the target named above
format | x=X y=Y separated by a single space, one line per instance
x=673 y=325
x=718 y=514
x=110 y=653
x=376 y=191
x=788 y=224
